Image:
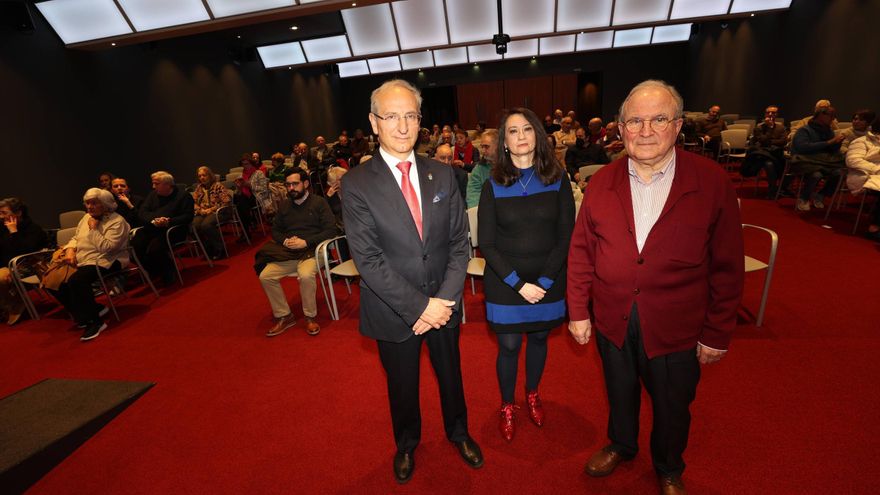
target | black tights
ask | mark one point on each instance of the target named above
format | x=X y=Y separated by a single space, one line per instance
x=508 y=360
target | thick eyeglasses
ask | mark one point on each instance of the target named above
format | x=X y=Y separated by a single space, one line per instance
x=393 y=118
x=659 y=123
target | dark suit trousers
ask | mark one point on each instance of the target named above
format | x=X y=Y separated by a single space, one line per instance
x=671 y=381
x=401 y=363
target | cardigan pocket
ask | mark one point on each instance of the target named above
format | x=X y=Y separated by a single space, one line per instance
x=688 y=244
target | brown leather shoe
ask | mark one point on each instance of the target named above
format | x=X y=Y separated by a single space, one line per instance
x=672 y=485
x=603 y=462
x=281 y=324
x=312 y=328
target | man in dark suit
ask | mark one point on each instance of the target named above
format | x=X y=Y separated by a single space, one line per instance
x=656 y=266
x=406 y=227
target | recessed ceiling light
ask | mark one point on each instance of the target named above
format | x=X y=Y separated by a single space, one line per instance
x=294 y=28
x=354 y=4
x=288 y=68
x=752 y=14
x=239 y=36
x=112 y=44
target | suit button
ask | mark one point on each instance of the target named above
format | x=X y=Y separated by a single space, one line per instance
x=640 y=260
x=424 y=257
x=636 y=291
x=625 y=317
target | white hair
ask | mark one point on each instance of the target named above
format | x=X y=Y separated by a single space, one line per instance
x=394 y=83
x=163 y=177
x=334 y=174
x=655 y=83
x=104 y=196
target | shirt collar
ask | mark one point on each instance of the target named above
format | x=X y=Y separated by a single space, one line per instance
x=302 y=200
x=656 y=175
x=392 y=161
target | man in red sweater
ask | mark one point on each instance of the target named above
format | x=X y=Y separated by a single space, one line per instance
x=656 y=266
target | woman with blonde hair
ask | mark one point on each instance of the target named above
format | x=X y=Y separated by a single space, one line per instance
x=208 y=197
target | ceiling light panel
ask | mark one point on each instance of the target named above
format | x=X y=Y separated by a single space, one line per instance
x=416 y=60
x=311 y=1
x=450 y=56
x=84 y=20
x=527 y=18
x=420 y=23
x=582 y=14
x=595 y=41
x=557 y=44
x=637 y=11
x=671 y=33
x=471 y=20
x=370 y=29
x=384 y=64
x=685 y=9
x=632 y=37
x=352 y=69
x=281 y=55
x=482 y=53
x=330 y=48
x=522 y=48
x=740 y=6
x=224 y=8
x=155 y=14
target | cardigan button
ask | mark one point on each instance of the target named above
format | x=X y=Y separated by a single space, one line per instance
x=640 y=260
x=625 y=317
x=636 y=291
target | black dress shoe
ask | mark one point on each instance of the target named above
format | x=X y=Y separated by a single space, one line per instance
x=470 y=452
x=404 y=465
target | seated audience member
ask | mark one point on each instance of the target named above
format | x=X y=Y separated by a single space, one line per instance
x=581 y=153
x=303 y=221
x=100 y=243
x=360 y=147
x=597 y=130
x=334 y=194
x=797 y=124
x=482 y=169
x=251 y=189
x=479 y=129
x=558 y=152
x=709 y=129
x=127 y=204
x=612 y=143
x=558 y=116
x=455 y=128
x=863 y=161
x=165 y=206
x=549 y=126
x=208 y=197
x=104 y=180
x=565 y=136
x=342 y=151
x=445 y=155
x=423 y=145
x=320 y=156
x=435 y=135
x=766 y=150
x=18 y=235
x=300 y=157
x=465 y=153
x=280 y=168
x=861 y=120
x=816 y=154
x=446 y=137
x=255 y=156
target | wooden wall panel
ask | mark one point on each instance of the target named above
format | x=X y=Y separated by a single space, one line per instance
x=480 y=102
x=534 y=93
x=565 y=93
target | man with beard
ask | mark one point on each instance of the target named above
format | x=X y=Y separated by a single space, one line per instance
x=303 y=221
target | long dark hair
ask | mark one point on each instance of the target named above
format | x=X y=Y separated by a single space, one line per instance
x=546 y=166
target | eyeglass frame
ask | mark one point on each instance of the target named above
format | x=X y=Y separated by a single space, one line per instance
x=653 y=121
x=394 y=118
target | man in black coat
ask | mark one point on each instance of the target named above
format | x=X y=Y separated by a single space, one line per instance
x=166 y=206
x=406 y=227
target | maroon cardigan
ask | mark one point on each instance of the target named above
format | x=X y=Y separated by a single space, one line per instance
x=687 y=280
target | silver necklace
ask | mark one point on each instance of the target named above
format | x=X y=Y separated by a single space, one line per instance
x=524 y=193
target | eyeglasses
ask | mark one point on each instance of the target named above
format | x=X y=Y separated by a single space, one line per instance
x=658 y=123
x=411 y=118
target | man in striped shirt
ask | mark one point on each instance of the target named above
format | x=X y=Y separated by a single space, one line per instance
x=657 y=249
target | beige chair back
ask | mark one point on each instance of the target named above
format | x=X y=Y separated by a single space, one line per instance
x=472 y=224
x=70 y=218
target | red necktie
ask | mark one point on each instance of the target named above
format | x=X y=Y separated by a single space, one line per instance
x=409 y=194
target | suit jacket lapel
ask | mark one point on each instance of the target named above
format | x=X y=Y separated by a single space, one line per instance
x=392 y=193
x=426 y=187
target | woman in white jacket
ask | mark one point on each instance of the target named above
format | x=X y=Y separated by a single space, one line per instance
x=863 y=161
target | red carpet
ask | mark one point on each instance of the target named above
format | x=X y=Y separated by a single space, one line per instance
x=792 y=409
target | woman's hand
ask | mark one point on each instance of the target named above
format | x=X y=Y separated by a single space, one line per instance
x=532 y=293
x=11 y=223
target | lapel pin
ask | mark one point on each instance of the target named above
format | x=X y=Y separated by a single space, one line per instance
x=430 y=177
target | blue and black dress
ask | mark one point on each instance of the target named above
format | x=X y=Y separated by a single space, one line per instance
x=524 y=231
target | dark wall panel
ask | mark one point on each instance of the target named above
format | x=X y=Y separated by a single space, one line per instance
x=481 y=101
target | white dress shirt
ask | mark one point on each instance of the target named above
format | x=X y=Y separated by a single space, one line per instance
x=398 y=175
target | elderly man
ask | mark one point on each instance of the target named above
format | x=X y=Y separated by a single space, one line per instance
x=656 y=267
x=583 y=152
x=303 y=221
x=444 y=154
x=360 y=147
x=483 y=168
x=165 y=207
x=709 y=129
x=766 y=150
x=597 y=130
x=407 y=232
x=611 y=141
x=565 y=136
x=815 y=152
